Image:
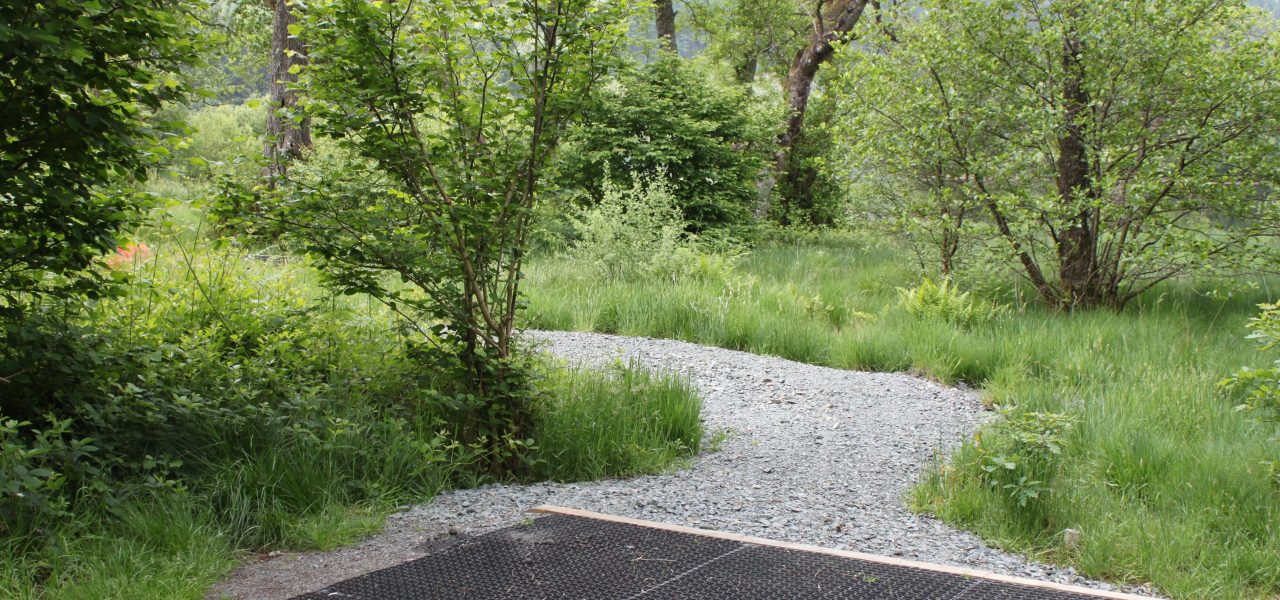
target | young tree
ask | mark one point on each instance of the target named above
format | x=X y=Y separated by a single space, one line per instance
x=1111 y=146
x=909 y=182
x=78 y=77
x=450 y=112
x=287 y=136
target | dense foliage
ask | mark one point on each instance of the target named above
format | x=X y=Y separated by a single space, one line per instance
x=639 y=233
x=212 y=357
x=223 y=140
x=78 y=80
x=670 y=116
x=1259 y=389
x=753 y=36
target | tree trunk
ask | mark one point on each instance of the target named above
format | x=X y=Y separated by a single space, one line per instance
x=745 y=72
x=1078 y=242
x=665 y=19
x=286 y=139
x=832 y=22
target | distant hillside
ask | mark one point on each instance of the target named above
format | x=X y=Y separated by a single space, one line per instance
x=1271 y=5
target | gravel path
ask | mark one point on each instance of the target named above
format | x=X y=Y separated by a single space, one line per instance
x=812 y=455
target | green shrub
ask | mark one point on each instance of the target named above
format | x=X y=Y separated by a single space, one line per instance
x=1019 y=454
x=36 y=467
x=630 y=232
x=943 y=302
x=639 y=233
x=212 y=356
x=225 y=139
x=669 y=116
x=1259 y=389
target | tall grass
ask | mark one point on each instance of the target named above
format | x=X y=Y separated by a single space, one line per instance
x=619 y=423
x=1164 y=480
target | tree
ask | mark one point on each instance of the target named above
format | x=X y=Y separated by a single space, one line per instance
x=907 y=181
x=750 y=35
x=665 y=22
x=1109 y=146
x=832 y=22
x=78 y=78
x=288 y=134
x=814 y=188
x=447 y=114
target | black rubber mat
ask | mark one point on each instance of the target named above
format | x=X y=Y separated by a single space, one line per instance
x=572 y=557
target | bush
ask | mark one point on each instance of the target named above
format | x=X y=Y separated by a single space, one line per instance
x=943 y=302
x=638 y=233
x=1019 y=454
x=212 y=356
x=1259 y=389
x=36 y=468
x=226 y=139
x=670 y=117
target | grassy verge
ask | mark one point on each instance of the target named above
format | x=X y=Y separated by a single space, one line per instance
x=1165 y=482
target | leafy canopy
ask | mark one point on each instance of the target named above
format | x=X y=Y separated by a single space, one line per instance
x=670 y=117
x=1174 y=104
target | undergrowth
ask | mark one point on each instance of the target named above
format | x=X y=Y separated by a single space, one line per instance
x=227 y=403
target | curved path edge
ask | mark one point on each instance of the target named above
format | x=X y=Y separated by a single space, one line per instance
x=810 y=455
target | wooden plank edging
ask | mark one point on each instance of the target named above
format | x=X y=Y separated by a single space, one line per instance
x=886 y=560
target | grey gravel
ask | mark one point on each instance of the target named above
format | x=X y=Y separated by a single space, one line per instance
x=806 y=454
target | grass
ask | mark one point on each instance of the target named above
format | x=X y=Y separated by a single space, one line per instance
x=154 y=546
x=282 y=417
x=1163 y=478
x=620 y=423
